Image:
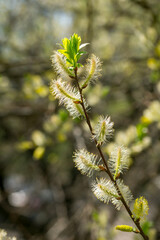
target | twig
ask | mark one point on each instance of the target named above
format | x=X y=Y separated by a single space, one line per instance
x=136 y=222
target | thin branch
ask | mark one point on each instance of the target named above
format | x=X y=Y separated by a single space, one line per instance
x=136 y=222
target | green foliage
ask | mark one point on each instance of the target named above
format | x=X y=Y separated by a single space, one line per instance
x=71 y=50
x=141 y=130
x=63 y=114
x=95 y=216
x=146 y=226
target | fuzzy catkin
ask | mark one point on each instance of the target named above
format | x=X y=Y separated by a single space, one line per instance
x=119 y=160
x=93 y=70
x=103 y=130
x=86 y=162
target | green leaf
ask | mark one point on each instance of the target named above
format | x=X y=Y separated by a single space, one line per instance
x=65 y=42
x=71 y=49
x=69 y=61
x=146 y=227
x=75 y=42
x=83 y=45
x=78 y=55
x=79 y=65
x=64 y=52
x=141 y=130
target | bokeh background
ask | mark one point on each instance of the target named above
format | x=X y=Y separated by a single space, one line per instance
x=42 y=195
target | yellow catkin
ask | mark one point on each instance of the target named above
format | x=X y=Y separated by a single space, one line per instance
x=118 y=161
x=103 y=188
x=141 y=208
x=94 y=70
x=124 y=228
x=65 y=93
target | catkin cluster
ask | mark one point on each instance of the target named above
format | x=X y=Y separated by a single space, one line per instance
x=68 y=89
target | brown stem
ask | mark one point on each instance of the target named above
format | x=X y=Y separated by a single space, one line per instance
x=136 y=222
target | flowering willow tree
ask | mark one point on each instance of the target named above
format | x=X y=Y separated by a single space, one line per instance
x=111 y=188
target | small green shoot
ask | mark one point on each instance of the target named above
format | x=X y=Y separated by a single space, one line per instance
x=72 y=50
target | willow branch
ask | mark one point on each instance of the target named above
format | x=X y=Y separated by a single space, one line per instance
x=136 y=222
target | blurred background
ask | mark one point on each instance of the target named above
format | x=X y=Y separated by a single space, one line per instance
x=42 y=195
